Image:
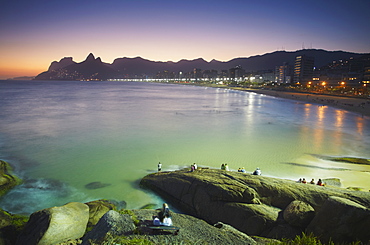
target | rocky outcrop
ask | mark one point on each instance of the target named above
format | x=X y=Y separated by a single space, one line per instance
x=55 y=225
x=299 y=214
x=7 y=179
x=192 y=231
x=10 y=226
x=112 y=222
x=251 y=204
x=341 y=220
x=97 y=209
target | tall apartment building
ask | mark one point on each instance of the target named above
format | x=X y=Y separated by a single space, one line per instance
x=283 y=74
x=303 y=68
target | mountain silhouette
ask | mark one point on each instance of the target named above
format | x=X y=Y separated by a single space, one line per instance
x=94 y=69
x=89 y=69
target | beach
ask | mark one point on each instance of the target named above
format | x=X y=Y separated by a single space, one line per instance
x=353 y=104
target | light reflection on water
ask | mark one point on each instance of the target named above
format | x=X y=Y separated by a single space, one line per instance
x=78 y=132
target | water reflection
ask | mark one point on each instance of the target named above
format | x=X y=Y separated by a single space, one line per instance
x=118 y=131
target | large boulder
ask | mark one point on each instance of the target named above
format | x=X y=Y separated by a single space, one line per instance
x=298 y=213
x=250 y=203
x=55 y=225
x=341 y=220
x=7 y=179
x=97 y=209
x=112 y=223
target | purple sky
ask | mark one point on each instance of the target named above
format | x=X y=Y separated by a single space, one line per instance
x=35 y=33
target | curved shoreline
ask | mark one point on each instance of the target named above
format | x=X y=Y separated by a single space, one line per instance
x=352 y=104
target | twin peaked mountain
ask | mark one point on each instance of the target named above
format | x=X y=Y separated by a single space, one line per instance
x=94 y=69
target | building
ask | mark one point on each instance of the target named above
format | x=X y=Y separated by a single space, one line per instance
x=236 y=73
x=283 y=74
x=303 y=69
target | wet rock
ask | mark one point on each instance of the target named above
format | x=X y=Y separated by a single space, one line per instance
x=119 y=204
x=10 y=226
x=96 y=185
x=150 y=206
x=7 y=179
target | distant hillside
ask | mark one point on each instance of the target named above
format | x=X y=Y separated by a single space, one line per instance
x=67 y=69
x=91 y=68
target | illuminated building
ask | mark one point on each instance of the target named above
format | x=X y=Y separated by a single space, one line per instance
x=303 y=68
x=283 y=74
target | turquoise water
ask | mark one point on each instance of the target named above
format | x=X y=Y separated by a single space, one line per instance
x=62 y=135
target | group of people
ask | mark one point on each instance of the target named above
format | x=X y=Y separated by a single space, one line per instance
x=164 y=217
x=304 y=181
x=242 y=170
x=224 y=166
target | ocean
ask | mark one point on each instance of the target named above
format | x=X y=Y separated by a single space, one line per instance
x=62 y=135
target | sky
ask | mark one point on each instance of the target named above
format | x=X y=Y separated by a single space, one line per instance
x=33 y=33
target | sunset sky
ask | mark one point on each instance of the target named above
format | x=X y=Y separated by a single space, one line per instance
x=33 y=33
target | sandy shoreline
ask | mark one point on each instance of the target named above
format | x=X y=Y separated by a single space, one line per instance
x=357 y=105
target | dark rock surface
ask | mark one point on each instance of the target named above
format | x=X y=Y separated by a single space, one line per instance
x=341 y=220
x=251 y=204
x=96 y=185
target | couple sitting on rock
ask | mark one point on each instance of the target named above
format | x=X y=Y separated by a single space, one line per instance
x=164 y=217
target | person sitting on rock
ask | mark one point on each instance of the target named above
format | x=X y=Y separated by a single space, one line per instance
x=300 y=180
x=156 y=221
x=304 y=181
x=239 y=169
x=242 y=170
x=320 y=182
x=226 y=167
x=222 y=166
x=167 y=221
x=257 y=171
x=195 y=166
x=312 y=182
x=164 y=212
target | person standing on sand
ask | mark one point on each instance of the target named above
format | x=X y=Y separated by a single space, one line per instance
x=159 y=167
